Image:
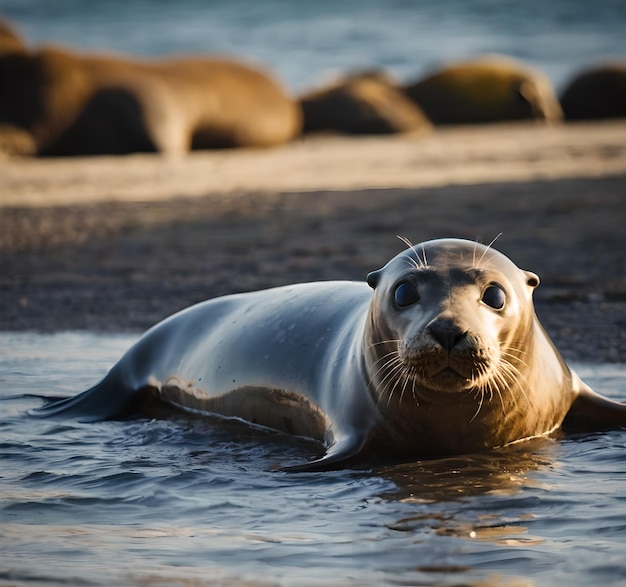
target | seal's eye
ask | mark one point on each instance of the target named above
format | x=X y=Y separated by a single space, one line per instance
x=406 y=295
x=494 y=297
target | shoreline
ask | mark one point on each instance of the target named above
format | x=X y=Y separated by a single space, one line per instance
x=463 y=155
x=117 y=244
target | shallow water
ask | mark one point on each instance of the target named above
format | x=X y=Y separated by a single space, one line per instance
x=303 y=42
x=184 y=501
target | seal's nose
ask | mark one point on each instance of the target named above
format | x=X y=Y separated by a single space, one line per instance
x=446 y=332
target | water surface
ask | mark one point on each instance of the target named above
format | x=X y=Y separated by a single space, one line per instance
x=305 y=42
x=183 y=501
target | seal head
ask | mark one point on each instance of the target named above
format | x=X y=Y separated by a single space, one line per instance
x=450 y=334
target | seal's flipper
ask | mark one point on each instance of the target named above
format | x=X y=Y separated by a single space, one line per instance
x=592 y=412
x=107 y=399
x=335 y=457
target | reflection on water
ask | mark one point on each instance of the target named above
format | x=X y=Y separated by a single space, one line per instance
x=500 y=472
x=182 y=501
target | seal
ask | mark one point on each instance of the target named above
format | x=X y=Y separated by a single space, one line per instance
x=362 y=103
x=10 y=39
x=92 y=104
x=596 y=93
x=485 y=89
x=445 y=356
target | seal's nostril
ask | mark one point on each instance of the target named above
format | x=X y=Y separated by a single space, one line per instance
x=447 y=333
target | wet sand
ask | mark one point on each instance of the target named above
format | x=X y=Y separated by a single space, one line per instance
x=119 y=243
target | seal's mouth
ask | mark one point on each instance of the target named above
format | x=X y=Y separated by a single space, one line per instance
x=448 y=380
x=431 y=373
x=447 y=373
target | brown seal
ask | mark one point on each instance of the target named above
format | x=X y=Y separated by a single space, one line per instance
x=485 y=89
x=446 y=356
x=366 y=103
x=10 y=40
x=596 y=93
x=87 y=104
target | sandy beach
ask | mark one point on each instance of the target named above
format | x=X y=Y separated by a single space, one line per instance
x=118 y=243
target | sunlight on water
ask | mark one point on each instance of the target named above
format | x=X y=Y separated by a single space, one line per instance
x=183 y=501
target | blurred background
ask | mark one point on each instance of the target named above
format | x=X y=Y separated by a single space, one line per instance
x=307 y=43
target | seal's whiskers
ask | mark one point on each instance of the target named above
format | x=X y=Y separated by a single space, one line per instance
x=425 y=261
x=507 y=376
x=480 y=392
x=396 y=376
x=514 y=377
x=388 y=341
x=390 y=368
x=514 y=356
x=420 y=262
x=385 y=362
x=391 y=380
x=487 y=249
x=498 y=381
x=408 y=377
x=412 y=263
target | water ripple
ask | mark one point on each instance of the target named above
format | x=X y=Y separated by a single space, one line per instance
x=184 y=501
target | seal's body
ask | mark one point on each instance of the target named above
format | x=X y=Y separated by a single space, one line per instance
x=446 y=356
x=367 y=103
x=483 y=90
x=90 y=104
x=596 y=93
